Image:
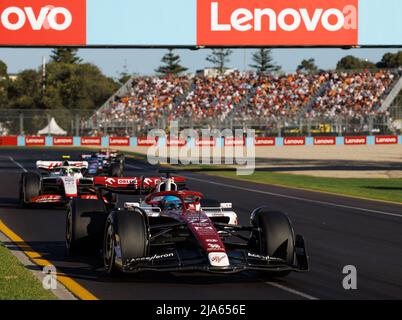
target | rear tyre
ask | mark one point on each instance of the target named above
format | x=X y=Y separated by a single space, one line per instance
x=85 y=223
x=276 y=237
x=126 y=237
x=30 y=187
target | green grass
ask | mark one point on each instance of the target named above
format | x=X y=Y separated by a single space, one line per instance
x=18 y=283
x=376 y=189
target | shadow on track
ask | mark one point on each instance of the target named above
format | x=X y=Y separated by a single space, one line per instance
x=91 y=268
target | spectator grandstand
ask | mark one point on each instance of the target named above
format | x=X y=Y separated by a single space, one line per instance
x=246 y=98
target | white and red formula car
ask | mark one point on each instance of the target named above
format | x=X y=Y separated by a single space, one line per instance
x=56 y=182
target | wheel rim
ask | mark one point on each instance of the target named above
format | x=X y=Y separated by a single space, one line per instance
x=109 y=248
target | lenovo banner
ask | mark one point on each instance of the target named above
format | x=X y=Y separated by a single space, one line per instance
x=294 y=141
x=193 y=23
x=203 y=142
x=265 y=142
x=355 y=141
x=63 y=141
x=324 y=141
x=176 y=142
x=119 y=142
x=91 y=141
x=235 y=142
x=43 y=22
x=386 y=140
x=35 y=141
x=147 y=142
x=298 y=22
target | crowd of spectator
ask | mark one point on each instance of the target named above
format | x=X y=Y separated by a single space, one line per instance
x=246 y=96
x=353 y=94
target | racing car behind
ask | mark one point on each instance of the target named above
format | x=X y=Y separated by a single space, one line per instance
x=104 y=162
x=55 y=182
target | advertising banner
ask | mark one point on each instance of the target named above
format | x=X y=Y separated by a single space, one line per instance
x=234 y=142
x=35 y=141
x=256 y=22
x=176 y=142
x=91 y=141
x=386 y=140
x=63 y=141
x=43 y=22
x=324 y=141
x=146 y=142
x=264 y=142
x=8 y=141
x=119 y=141
x=355 y=141
x=200 y=23
x=301 y=141
x=205 y=142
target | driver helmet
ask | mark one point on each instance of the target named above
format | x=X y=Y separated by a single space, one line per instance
x=172 y=202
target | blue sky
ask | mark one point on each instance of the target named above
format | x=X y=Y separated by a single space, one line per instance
x=144 y=61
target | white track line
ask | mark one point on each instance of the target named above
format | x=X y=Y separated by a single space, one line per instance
x=298 y=198
x=18 y=164
x=293 y=291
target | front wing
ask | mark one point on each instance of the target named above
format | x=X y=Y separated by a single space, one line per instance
x=240 y=260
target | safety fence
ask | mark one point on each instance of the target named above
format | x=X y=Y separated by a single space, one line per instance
x=105 y=142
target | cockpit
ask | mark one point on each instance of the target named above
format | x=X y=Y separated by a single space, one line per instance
x=66 y=171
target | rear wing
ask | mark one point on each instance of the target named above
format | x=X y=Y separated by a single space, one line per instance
x=133 y=184
x=49 y=165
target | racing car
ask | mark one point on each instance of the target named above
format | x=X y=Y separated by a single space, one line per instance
x=56 y=182
x=105 y=162
x=176 y=230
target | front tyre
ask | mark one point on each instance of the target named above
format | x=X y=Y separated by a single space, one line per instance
x=275 y=237
x=126 y=238
x=30 y=187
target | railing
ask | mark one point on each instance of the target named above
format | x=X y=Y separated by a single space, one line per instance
x=75 y=122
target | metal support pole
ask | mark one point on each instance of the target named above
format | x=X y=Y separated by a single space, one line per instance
x=77 y=125
x=21 y=123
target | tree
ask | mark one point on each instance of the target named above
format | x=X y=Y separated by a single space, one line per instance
x=351 y=63
x=219 y=58
x=3 y=70
x=391 y=60
x=171 y=65
x=4 y=81
x=307 y=66
x=263 y=61
x=65 y=55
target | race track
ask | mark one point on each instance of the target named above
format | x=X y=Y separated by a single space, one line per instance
x=338 y=231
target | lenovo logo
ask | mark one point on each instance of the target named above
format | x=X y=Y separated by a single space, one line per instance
x=277 y=22
x=15 y=18
x=43 y=22
x=288 y=19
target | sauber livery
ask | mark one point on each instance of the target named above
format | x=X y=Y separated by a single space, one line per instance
x=179 y=230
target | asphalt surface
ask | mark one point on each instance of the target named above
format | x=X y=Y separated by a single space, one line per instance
x=338 y=231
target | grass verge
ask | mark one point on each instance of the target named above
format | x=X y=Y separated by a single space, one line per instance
x=376 y=189
x=18 y=283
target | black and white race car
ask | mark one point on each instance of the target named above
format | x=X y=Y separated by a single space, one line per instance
x=176 y=230
x=104 y=163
